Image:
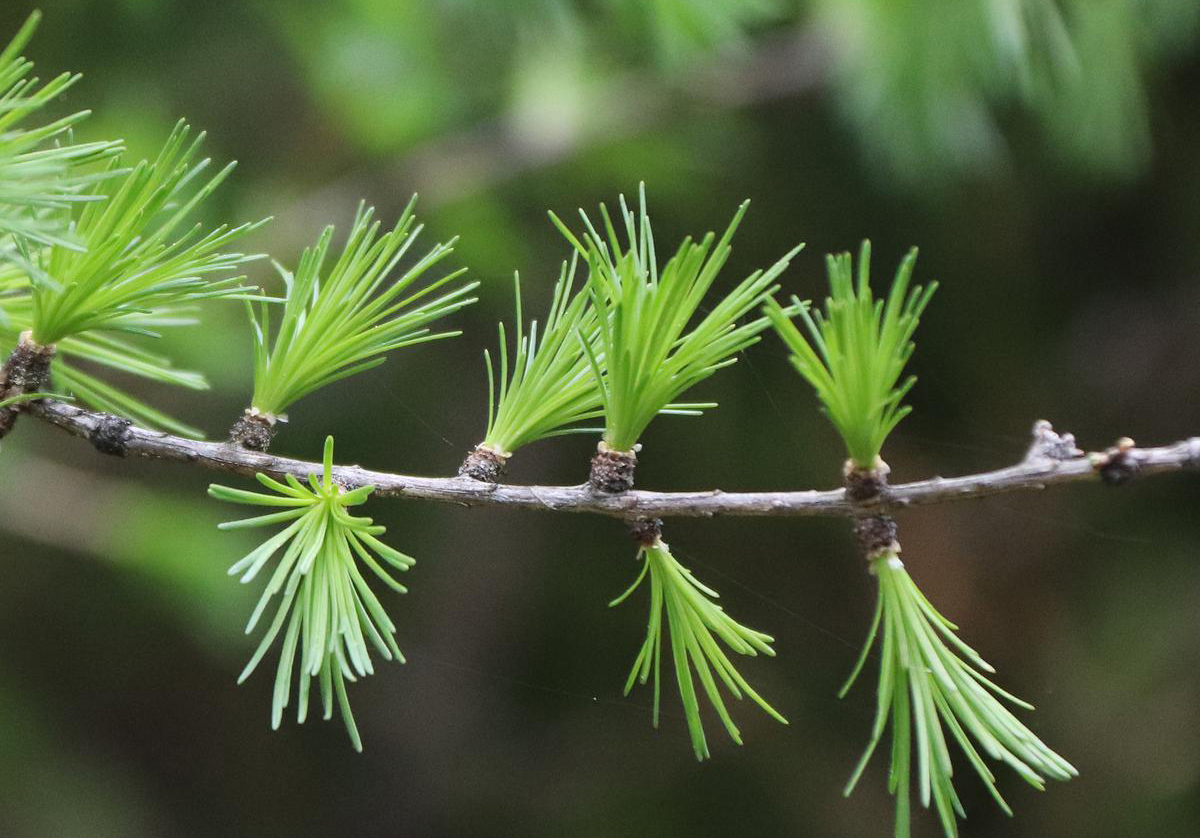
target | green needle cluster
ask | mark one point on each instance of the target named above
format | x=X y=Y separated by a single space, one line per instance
x=140 y=255
x=42 y=173
x=855 y=353
x=695 y=624
x=88 y=247
x=104 y=350
x=931 y=682
x=327 y=612
x=645 y=355
x=134 y=264
x=341 y=319
x=550 y=386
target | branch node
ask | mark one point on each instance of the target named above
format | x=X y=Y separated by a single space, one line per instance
x=110 y=434
x=876 y=535
x=1049 y=445
x=865 y=484
x=612 y=471
x=646 y=531
x=254 y=429
x=27 y=370
x=1118 y=464
x=484 y=464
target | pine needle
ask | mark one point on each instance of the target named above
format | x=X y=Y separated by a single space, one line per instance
x=687 y=608
x=341 y=320
x=546 y=386
x=328 y=614
x=930 y=683
x=855 y=352
x=646 y=355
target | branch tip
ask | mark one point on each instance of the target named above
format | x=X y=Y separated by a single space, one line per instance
x=1050 y=445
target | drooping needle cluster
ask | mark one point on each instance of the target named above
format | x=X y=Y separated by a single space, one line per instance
x=931 y=683
x=695 y=623
x=328 y=614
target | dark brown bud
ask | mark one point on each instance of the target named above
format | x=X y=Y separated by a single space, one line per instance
x=612 y=471
x=646 y=531
x=1118 y=464
x=253 y=430
x=877 y=534
x=865 y=484
x=111 y=434
x=484 y=464
x=27 y=370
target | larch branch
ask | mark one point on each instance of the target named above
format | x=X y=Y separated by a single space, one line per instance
x=1045 y=464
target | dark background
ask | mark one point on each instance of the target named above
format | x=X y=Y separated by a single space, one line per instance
x=1060 y=211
